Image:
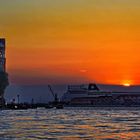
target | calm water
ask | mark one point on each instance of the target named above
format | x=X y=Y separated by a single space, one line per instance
x=71 y=124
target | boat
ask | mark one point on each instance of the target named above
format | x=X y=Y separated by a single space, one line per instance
x=49 y=106
x=59 y=106
x=91 y=95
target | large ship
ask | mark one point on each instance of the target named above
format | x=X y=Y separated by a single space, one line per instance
x=91 y=95
x=3 y=75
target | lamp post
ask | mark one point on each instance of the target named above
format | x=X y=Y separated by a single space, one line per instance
x=18 y=98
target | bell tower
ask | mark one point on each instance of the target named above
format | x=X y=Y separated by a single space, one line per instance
x=3 y=75
x=2 y=55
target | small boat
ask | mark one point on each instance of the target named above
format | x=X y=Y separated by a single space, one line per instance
x=49 y=106
x=17 y=107
x=59 y=106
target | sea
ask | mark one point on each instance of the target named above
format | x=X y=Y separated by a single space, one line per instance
x=71 y=124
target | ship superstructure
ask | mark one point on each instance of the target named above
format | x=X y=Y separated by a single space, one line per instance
x=91 y=95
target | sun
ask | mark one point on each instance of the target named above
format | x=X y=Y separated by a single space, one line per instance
x=126 y=85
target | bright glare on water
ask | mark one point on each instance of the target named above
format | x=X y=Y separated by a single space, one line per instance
x=71 y=124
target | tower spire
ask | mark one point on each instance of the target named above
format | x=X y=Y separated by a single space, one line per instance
x=2 y=55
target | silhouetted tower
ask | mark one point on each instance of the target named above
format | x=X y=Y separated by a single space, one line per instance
x=2 y=55
x=3 y=75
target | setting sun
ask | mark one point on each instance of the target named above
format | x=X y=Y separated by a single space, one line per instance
x=126 y=84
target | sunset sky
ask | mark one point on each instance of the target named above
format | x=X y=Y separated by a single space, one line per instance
x=72 y=41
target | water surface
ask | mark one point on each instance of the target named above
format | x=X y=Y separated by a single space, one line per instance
x=71 y=124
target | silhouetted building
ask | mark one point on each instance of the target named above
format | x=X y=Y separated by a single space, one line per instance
x=2 y=55
x=3 y=75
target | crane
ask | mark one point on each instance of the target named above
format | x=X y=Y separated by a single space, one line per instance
x=54 y=95
x=56 y=102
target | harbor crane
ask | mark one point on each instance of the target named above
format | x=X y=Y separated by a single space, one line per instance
x=53 y=94
x=56 y=102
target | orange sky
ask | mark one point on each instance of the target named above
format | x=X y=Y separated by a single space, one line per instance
x=73 y=41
